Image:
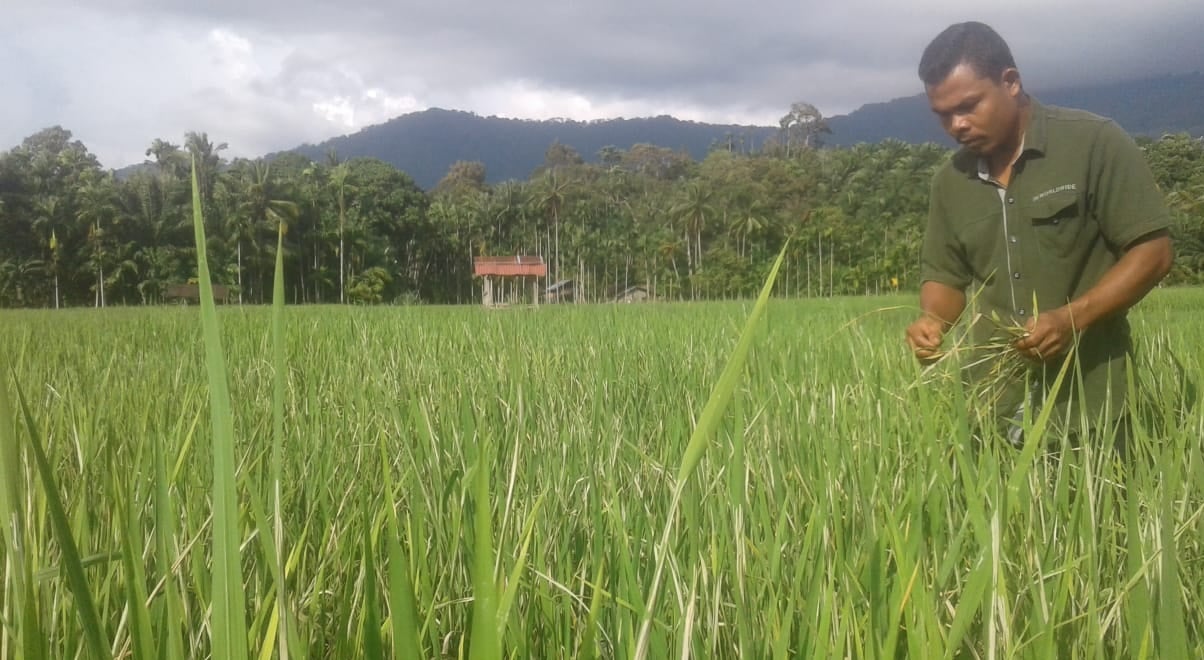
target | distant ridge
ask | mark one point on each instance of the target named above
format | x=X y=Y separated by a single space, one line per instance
x=1150 y=106
x=425 y=144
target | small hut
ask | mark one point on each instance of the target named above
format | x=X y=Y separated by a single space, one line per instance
x=561 y=292
x=505 y=279
x=631 y=294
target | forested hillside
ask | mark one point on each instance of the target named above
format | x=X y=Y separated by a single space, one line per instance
x=424 y=144
x=362 y=231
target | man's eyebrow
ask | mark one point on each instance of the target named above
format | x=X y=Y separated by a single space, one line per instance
x=965 y=104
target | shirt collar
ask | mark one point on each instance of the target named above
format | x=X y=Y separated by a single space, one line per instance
x=1035 y=136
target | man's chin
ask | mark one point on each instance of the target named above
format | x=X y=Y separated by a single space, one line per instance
x=976 y=147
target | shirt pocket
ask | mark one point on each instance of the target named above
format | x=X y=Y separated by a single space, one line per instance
x=1058 y=224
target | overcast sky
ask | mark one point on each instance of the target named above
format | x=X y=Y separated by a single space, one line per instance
x=265 y=75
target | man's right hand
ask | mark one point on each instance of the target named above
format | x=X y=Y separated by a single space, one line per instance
x=924 y=337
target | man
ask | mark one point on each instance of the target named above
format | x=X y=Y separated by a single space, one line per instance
x=1048 y=220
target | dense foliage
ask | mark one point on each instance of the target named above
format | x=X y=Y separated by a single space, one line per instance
x=363 y=231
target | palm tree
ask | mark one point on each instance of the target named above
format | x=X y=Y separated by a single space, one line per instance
x=45 y=224
x=745 y=223
x=692 y=210
x=339 y=187
x=17 y=276
x=205 y=155
x=313 y=184
x=97 y=206
x=259 y=210
x=169 y=159
x=550 y=197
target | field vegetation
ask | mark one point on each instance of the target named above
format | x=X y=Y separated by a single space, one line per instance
x=435 y=461
x=739 y=478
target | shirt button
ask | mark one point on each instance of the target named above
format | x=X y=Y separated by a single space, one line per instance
x=1057 y=220
x=1011 y=200
x=1020 y=312
x=1011 y=239
x=1016 y=275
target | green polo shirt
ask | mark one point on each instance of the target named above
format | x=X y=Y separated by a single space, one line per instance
x=1080 y=194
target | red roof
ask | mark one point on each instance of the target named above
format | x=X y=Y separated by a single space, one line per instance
x=531 y=266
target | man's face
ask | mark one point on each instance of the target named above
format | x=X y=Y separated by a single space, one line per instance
x=982 y=114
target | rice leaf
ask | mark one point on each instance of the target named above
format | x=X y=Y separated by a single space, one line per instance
x=229 y=625
x=18 y=569
x=171 y=646
x=485 y=644
x=1172 y=628
x=708 y=423
x=279 y=369
x=72 y=566
x=373 y=647
x=510 y=591
x=403 y=610
x=135 y=580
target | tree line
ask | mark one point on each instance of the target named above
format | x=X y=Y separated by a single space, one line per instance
x=361 y=231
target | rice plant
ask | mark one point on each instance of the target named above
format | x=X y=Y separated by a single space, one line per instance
x=452 y=482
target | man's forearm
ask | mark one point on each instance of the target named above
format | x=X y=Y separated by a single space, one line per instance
x=942 y=301
x=1125 y=284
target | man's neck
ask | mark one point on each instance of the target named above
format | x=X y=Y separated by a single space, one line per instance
x=1001 y=162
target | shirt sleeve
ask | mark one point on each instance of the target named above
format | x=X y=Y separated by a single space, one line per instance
x=941 y=257
x=1125 y=199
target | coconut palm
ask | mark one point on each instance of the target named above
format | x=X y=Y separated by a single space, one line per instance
x=341 y=188
x=259 y=210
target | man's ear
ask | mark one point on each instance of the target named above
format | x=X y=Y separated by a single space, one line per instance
x=1010 y=79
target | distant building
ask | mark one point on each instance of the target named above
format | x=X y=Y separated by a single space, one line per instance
x=563 y=291
x=190 y=292
x=632 y=294
x=516 y=274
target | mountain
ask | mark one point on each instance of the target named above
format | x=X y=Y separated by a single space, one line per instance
x=425 y=144
x=1151 y=107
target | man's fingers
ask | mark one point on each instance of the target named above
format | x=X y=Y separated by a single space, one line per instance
x=1026 y=342
x=921 y=338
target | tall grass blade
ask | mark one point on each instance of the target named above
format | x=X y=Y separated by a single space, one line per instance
x=403 y=611
x=373 y=646
x=1034 y=436
x=171 y=645
x=485 y=644
x=510 y=592
x=72 y=567
x=279 y=369
x=135 y=581
x=1172 y=629
x=228 y=607
x=708 y=423
x=19 y=602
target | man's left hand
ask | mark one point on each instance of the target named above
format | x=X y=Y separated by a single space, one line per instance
x=1048 y=335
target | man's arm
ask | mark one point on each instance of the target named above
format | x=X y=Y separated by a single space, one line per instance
x=1142 y=266
x=941 y=305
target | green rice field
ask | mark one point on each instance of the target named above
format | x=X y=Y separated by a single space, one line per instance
x=520 y=483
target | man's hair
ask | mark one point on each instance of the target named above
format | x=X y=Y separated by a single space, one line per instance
x=972 y=43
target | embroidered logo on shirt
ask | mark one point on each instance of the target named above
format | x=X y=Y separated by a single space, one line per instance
x=1052 y=191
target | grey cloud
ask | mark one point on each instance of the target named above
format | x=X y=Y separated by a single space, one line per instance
x=750 y=59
